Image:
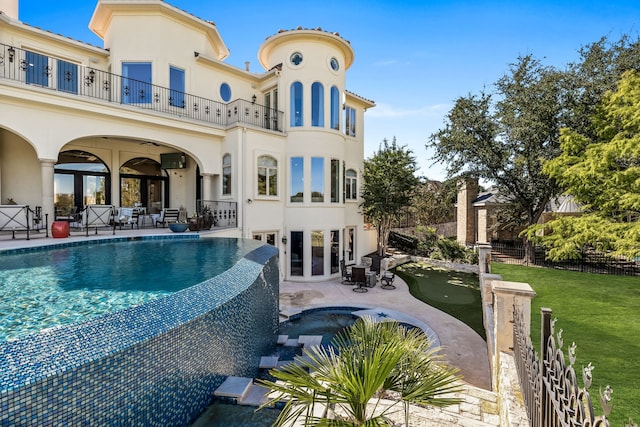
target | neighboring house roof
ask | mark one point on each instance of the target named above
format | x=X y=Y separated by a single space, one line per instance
x=564 y=204
x=490 y=197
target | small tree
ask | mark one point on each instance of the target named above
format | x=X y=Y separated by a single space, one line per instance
x=370 y=358
x=389 y=184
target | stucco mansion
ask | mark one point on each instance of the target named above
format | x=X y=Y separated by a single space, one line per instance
x=156 y=119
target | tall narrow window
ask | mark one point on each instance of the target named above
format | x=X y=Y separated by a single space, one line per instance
x=317 y=253
x=176 y=87
x=226 y=174
x=335 y=108
x=67 y=77
x=297 y=253
x=350 y=121
x=136 y=82
x=296 y=104
x=267 y=110
x=37 y=70
x=350 y=244
x=335 y=251
x=317 y=179
x=267 y=176
x=317 y=104
x=351 y=185
x=297 y=179
x=335 y=181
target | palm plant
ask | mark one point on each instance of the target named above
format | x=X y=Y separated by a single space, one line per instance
x=367 y=360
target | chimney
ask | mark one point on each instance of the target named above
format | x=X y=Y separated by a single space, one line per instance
x=9 y=8
x=246 y=65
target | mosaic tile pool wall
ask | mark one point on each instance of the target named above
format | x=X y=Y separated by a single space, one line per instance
x=156 y=364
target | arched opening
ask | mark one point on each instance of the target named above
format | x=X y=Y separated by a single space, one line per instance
x=80 y=179
x=143 y=183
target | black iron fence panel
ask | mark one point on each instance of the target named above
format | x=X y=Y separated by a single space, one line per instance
x=551 y=391
x=38 y=70
x=590 y=261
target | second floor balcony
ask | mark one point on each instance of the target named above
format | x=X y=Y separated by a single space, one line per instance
x=43 y=71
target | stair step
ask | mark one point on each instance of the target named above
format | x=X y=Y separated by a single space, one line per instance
x=234 y=387
x=268 y=362
x=256 y=395
x=310 y=340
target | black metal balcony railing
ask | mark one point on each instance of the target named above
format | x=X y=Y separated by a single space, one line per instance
x=43 y=71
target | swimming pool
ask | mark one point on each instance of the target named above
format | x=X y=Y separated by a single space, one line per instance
x=152 y=364
x=46 y=288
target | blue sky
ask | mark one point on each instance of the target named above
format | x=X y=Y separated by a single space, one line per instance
x=413 y=58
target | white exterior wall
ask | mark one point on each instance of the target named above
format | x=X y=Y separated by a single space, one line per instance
x=37 y=124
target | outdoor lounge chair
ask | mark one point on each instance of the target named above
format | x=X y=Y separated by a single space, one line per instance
x=21 y=218
x=167 y=215
x=129 y=216
x=94 y=216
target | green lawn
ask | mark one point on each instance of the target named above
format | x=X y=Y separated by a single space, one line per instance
x=457 y=294
x=601 y=314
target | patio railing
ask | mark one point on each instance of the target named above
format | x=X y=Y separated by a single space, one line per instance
x=42 y=71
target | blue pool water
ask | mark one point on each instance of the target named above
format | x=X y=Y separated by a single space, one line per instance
x=41 y=289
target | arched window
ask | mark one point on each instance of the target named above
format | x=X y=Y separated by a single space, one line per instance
x=267 y=176
x=296 y=104
x=80 y=179
x=335 y=108
x=226 y=174
x=317 y=104
x=351 y=184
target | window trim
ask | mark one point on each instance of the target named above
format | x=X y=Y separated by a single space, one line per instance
x=257 y=177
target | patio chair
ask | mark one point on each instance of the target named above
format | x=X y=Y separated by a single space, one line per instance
x=359 y=277
x=167 y=215
x=346 y=275
x=386 y=280
x=94 y=216
x=129 y=216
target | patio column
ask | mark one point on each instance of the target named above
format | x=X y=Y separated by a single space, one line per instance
x=207 y=187
x=47 y=171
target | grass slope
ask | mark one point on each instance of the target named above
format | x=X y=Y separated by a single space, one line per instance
x=457 y=294
x=601 y=314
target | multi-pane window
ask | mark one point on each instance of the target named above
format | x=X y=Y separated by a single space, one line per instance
x=176 y=87
x=317 y=104
x=335 y=108
x=297 y=179
x=267 y=176
x=271 y=109
x=296 y=104
x=351 y=184
x=317 y=179
x=335 y=181
x=37 y=69
x=67 y=77
x=226 y=174
x=136 y=82
x=267 y=237
x=350 y=121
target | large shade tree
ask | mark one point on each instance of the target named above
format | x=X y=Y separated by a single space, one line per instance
x=602 y=173
x=389 y=184
x=505 y=140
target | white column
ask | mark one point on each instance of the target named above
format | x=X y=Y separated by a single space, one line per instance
x=207 y=187
x=47 y=171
